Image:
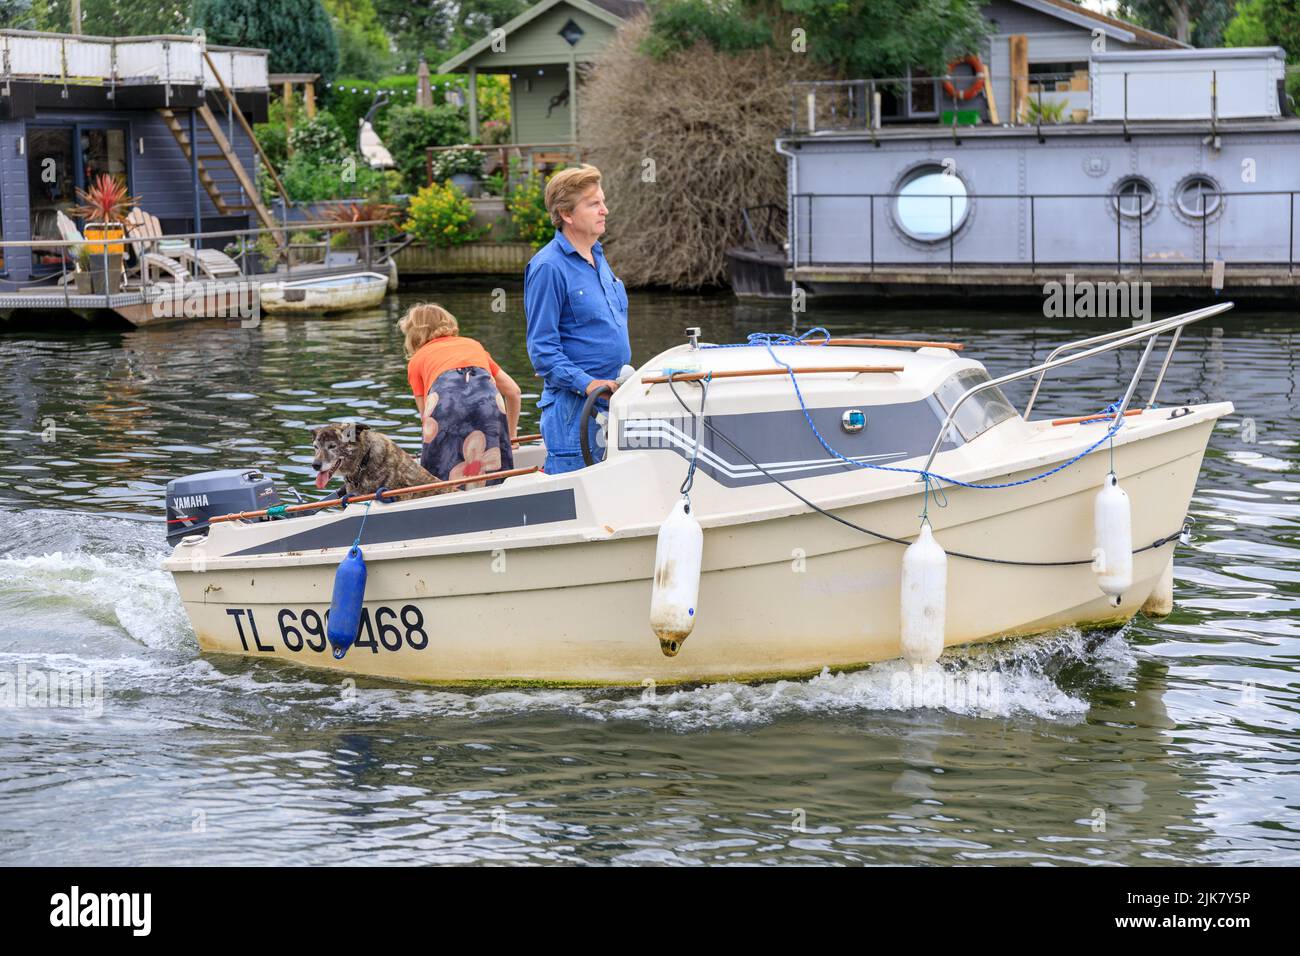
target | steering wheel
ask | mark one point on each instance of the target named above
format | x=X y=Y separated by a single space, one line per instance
x=588 y=413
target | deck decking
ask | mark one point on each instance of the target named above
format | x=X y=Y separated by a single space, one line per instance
x=234 y=298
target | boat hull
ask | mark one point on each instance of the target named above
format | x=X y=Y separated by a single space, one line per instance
x=337 y=294
x=781 y=596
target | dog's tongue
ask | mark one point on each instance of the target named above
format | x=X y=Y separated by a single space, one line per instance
x=322 y=479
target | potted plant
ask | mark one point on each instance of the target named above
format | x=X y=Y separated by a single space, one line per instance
x=268 y=252
x=463 y=165
x=366 y=210
x=105 y=206
x=82 y=276
x=1045 y=111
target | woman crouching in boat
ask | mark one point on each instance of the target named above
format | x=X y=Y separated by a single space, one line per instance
x=469 y=407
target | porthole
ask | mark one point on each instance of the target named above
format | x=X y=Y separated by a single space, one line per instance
x=1199 y=196
x=932 y=204
x=1134 y=197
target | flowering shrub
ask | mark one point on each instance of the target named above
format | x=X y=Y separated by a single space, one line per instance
x=526 y=204
x=319 y=139
x=452 y=162
x=440 y=215
x=494 y=132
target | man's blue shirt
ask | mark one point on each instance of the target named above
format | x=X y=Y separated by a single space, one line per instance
x=577 y=317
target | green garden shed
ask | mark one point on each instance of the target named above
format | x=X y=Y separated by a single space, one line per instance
x=541 y=50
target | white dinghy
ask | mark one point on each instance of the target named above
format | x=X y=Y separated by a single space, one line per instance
x=357 y=290
x=750 y=519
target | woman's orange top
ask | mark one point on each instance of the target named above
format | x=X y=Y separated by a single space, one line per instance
x=442 y=355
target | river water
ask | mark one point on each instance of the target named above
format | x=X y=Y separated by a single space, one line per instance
x=1163 y=742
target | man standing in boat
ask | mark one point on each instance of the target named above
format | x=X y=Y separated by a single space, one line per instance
x=577 y=314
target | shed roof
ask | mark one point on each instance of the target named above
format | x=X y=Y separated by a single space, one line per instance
x=1080 y=15
x=613 y=12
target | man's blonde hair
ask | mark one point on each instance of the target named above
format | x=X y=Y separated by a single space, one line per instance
x=566 y=188
x=425 y=322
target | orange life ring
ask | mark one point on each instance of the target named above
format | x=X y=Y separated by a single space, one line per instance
x=974 y=89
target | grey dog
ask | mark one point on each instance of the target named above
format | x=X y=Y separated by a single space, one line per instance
x=364 y=459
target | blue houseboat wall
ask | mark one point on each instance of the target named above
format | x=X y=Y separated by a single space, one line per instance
x=1158 y=196
x=157 y=171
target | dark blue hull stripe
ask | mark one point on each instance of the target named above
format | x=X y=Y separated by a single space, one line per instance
x=490 y=514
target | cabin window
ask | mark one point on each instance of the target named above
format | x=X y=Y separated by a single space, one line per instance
x=932 y=203
x=1134 y=197
x=979 y=412
x=1199 y=196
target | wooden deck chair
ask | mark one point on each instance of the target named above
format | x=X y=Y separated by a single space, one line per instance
x=144 y=233
x=69 y=232
x=213 y=264
x=145 y=225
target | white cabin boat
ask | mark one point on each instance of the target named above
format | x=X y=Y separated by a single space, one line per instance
x=549 y=578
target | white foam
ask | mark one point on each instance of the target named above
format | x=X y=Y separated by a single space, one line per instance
x=136 y=590
x=1006 y=680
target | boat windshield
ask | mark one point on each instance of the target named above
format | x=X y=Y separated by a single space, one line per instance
x=979 y=412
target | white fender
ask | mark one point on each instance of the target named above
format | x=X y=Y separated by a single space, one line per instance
x=924 y=599
x=1113 y=550
x=678 y=557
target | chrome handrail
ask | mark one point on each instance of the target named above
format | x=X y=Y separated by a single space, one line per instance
x=1106 y=337
x=1118 y=339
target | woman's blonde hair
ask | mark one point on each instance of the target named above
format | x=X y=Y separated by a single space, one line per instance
x=425 y=322
x=566 y=188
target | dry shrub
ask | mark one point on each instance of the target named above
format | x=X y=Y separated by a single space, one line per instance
x=709 y=122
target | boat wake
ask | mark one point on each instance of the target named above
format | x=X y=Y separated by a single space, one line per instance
x=1015 y=679
x=63 y=575
x=100 y=601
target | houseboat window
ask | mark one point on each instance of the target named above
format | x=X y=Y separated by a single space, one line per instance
x=932 y=204
x=51 y=186
x=923 y=93
x=1199 y=196
x=1134 y=197
x=979 y=412
x=103 y=151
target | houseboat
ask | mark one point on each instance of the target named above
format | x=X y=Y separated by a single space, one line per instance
x=1077 y=148
x=172 y=116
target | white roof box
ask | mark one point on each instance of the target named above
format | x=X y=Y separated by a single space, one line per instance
x=1217 y=83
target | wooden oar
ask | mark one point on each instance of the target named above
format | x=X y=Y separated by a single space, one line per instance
x=738 y=373
x=893 y=343
x=1094 y=417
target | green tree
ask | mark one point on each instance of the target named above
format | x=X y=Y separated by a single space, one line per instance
x=363 y=42
x=1281 y=18
x=1199 y=22
x=297 y=32
x=442 y=28
x=409 y=130
x=857 y=38
x=1269 y=23
x=1247 y=27
x=113 y=18
x=17 y=15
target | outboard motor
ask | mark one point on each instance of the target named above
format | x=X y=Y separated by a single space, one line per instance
x=193 y=500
